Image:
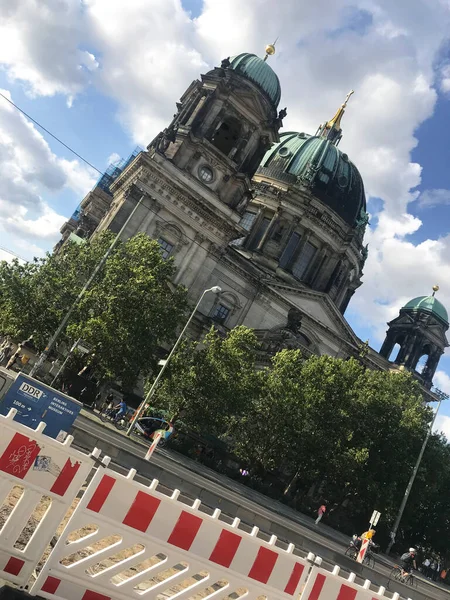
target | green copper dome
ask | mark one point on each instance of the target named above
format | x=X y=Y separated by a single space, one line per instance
x=428 y=304
x=257 y=70
x=317 y=163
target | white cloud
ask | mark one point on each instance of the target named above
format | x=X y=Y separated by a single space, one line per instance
x=113 y=158
x=442 y=425
x=30 y=171
x=145 y=53
x=431 y=198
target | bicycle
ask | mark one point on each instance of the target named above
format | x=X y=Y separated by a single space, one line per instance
x=368 y=560
x=110 y=414
x=397 y=575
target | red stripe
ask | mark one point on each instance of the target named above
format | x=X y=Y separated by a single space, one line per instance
x=51 y=584
x=317 y=587
x=185 y=530
x=19 y=456
x=65 y=478
x=294 y=579
x=263 y=566
x=346 y=593
x=14 y=565
x=90 y=595
x=101 y=493
x=226 y=548
x=142 y=511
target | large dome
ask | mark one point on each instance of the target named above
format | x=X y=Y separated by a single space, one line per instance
x=257 y=70
x=430 y=305
x=318 y=163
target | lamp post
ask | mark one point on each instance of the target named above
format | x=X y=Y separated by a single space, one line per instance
x=215 y=290
x=441 y=396
x=44 y=355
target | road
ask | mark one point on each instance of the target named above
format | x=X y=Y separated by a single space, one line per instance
x=215 y=490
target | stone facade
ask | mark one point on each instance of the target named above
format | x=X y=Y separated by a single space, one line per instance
x=287 y=262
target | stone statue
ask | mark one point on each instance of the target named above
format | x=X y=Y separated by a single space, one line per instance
x=282 y=114
x=364 y=254
x=362 y=220
x=167 y=137
x=294 y=320
x=225 y=63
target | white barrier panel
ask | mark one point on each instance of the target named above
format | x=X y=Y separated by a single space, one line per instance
x=42 y=467
x=139 y=541
x=326 y=585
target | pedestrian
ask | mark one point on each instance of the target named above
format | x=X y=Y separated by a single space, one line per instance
x=321 y=511
x=433 y=568
x=83 y=395
x=426 y=567
x=5 y=354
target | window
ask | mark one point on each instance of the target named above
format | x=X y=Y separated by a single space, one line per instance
x=259 y=234
x=289 y=250
x=227 y=136
x=165 y=248
x=278 y=233
x=220 y=313
x=206 y=174
x=247 y=220
x=302 y=263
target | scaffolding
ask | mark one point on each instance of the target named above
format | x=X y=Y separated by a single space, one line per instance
x=114 y=170
x=109 y=176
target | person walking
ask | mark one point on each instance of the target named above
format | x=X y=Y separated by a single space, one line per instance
x=5 y=354
x=321 y=511
x=425 y=567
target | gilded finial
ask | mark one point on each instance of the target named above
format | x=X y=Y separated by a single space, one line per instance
x=332 y=129
x=347 y=98
x=270 y=50
x=435 y=289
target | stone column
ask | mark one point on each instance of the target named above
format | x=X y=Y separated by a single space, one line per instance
x=268 y=231
x=388 y=344
x=316 y=265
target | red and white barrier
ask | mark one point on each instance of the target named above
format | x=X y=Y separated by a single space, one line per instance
x=152 y=448
x=41 y=466
x=326 y=585
x=362 y=551
x=169 y=544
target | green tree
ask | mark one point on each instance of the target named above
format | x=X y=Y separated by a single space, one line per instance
x=211 y=385
x=129 y=310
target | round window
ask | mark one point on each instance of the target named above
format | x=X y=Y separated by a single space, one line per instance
x=206 y=174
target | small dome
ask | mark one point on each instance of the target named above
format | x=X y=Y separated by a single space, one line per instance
x=257 y=70
x=428 y=304
x=318 y=163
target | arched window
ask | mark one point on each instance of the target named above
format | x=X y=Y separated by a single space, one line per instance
x=395 y=352
x=421 y=363
x=227 y=135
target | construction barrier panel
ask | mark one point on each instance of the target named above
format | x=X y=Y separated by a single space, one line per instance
x=326 y=585
x=40 y=477
x=136 y=540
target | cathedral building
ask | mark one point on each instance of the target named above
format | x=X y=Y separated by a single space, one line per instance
x=275 y=218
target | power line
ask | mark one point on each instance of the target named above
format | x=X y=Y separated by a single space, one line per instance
x=50 y=133
x=13 y=253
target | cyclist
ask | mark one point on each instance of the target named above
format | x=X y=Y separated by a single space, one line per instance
x=408 y=560
x=121 y=410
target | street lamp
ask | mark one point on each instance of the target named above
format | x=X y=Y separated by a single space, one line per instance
x=441 y=396
x=215 y=290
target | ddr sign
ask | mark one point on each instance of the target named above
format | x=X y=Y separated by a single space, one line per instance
x=35 y=402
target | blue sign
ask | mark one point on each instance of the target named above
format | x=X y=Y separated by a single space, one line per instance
x=36 y=402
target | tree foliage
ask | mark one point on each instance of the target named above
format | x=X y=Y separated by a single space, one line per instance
x=126 y=314
x=321 y=428
x=212 y=385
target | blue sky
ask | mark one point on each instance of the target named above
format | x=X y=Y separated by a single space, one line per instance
x=104 y=76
